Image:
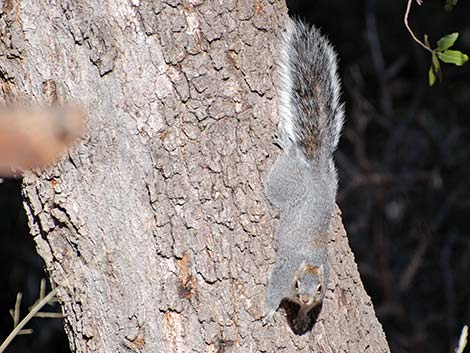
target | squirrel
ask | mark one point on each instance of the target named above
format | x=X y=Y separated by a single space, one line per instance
x=302 y=183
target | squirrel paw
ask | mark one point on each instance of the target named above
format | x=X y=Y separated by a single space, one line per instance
x=267 y=317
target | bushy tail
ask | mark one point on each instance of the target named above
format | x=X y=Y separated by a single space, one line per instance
x=311 y=112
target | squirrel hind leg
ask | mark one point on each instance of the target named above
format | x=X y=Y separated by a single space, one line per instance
x=286 y=181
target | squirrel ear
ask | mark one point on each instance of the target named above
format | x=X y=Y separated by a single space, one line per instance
x=303 y=267
x=277 y=142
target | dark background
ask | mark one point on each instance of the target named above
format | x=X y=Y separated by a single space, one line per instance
x=404 y=165
x=21 y=270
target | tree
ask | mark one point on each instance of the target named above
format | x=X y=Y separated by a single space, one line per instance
x=155 y=226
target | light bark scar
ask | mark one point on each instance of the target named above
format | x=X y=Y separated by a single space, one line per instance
x=259 y=8
x=138 y=342
x=187 y=283
x=192 y=21
x=170 y=329
x=8 y=6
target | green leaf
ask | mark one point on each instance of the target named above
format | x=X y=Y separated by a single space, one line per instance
x=436 y=66
x=432 y=77
x=449 y=5
x=447 y=41
x=435 y=62
x=435 y=70
x=426 y=41
x=453 y=57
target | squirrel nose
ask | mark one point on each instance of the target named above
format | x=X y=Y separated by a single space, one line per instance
x=305 y=299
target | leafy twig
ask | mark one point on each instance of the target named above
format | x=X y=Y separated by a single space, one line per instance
x=407 y=13
x=441 y=52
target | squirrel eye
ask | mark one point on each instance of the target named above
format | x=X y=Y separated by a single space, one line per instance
x=296 y=285
x=319 y=288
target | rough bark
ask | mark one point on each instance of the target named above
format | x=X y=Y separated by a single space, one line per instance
x=155 y=226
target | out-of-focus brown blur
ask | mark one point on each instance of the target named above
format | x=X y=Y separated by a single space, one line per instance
x=33 y=137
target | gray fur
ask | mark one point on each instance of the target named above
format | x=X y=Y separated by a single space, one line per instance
x=302 y=183
x=312 y=115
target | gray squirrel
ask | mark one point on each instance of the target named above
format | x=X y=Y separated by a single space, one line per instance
x=302 y=183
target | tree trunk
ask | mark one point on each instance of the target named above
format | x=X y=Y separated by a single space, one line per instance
x=155 y=226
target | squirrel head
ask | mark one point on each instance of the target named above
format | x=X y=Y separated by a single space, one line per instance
x=309 y=286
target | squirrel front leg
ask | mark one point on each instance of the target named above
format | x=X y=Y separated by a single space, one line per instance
x=278 y=289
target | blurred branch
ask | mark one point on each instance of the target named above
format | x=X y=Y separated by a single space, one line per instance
x=415 y=263
x=378 y=61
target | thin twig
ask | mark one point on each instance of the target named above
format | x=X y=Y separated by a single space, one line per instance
x=26 y=331
x=407 y=13
x=45 y=315
x=42 y=288
x=28 y=317
x=16 y=313
x=462 y=340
